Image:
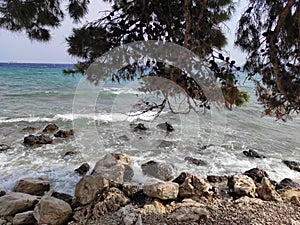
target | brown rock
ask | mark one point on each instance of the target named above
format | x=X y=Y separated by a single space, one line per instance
x=256 y=174
x=64 y=133
x=241 y=185
x=216 y=179
x=267 y=191
x=83 y=169
x=37 y=140
x=160 y=189
x=30 y=129
x=195 y=187
x=25 y=218
x=130 y=188
x=52 y=211
x=195 y=161
x=50 y=128
x=33 y=186
x=62 y=196
x=292 y=195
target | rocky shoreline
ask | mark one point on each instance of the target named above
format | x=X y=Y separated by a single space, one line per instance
x=107 y=194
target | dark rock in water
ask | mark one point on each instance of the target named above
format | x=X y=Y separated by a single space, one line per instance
x=165 y=144
x=50 y=128
x=124 y=138
x=83 y=169
x=256 y=174
x=37 y=140
x=62 y=196
x=4 y=147
x=165 y=126
x=162 y=171
x=287 y=184
x=140 y=127
x=69 y=153
x=204 y=147
x=181 y=178
x=64 y=133
x=253 y=154
x=30 y=129
x=293 y=165
x=2 y=193
x=216 y=179
x=197 y=162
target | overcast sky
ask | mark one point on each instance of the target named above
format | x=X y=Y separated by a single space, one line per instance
x=17 y=47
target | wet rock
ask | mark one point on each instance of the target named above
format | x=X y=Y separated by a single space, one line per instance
x=253 y=154
x=181 y=178
x=165 y=126
x=37 y=140
x=140 y=127
x=25 y=218
x=292 y=195
x=30 y=129
x=216 y=179
x=256 y=174
x=83 y=169
x=204 y=147
x=64 y=133
x=69 y=153
x=195 y=187
x=159 y=170
x=62 y=196
x=115 y=167
x=131 y=188
x=33 y=186
x=241 y=185
x=50 y=128
x=160 y=189
x=88 y=187
x=197 y=162
x=267 y=191
x=16 y=202
x=2 y=193
x=166 y=144
x=287 y=184
x=4 y=147
x=124 y=138
x=52 y=211
x=293 y=165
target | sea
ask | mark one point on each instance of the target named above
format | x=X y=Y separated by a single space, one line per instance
x=103 y=117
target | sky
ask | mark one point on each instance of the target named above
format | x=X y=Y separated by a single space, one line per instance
x=17 y=47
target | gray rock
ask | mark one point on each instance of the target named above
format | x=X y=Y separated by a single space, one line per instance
x=256 y=174
x=216 y=179
x=52 y=211
x=50 y=128
x=287 y=184
x=293 y=165
x=181 y=178
x=253 y=154
x=166 y=144
x=33 y=186
x=195 y=161
x=159 y=170
x=160 y=189
x=62 y=196
x=37 y=140
x=241 y=185
x=140 y=127
x=83 y=169
x=2 y=193
x=64 y=133
x=16 y=202
x=25 y=218
x=165 y=126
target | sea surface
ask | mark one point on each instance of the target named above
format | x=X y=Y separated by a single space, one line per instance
x=103 y=118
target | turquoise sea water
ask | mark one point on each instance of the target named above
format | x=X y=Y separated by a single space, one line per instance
x=38 y=94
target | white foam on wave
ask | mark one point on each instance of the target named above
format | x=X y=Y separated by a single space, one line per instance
x=118 y=91
x=25 y=119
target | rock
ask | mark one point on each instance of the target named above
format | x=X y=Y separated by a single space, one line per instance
x=241 y=185
x=130 y=188
x=216 y=179
x=197 y=162
x=37 y=140
x=159 y=170
x=16 y=202
x=165 y=126
x=292 y=195
x=155 y=207
x=140 y=127
x=69 y=153
x=293 y=165
x=160 y=189
x=114 y=199
x=253 y=154
x=62 y=196
x=52 y=211
x=50 y=128
x=195 y=187
x=287 y=184
x=247 y=201
x=124 y=138
x=115 y=167
x=64 y=133
x=267 y=191
x=30 y=129
x=2 y=193
x=189 y=212
x=165 y=144
x=83 y=169
x=256 y=174
x=129 y=215
x=4 y=147
x=88 y=187
x=181 y=178
x=25 y=218
x=33 y=186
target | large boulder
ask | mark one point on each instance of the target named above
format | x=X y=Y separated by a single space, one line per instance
x=114 y=167
x=50 y=128
x=159 y=170
x=37 y=140
x=195 y=187
x=241 y=185
x=16 y=202
x=287 y=184
x=160 y=189
x=267 y=191
x=256 y=174
x=24 y=218
x=64 y=133
x=33 y=186
x=292 y=195
x=52 y=211
x=293 y=165
x=88 y=187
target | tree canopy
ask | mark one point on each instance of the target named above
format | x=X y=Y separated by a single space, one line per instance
x=268 y=31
